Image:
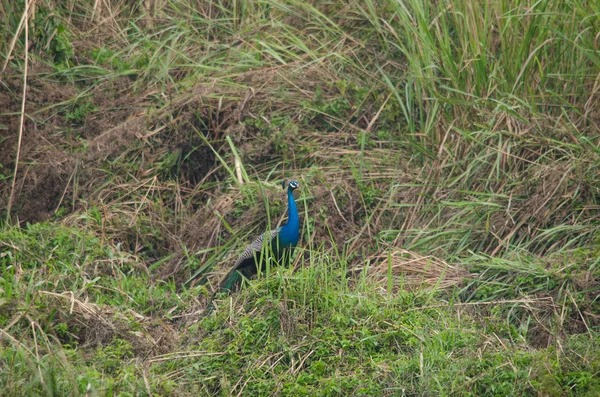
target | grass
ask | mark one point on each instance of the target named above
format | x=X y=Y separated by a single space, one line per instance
x=296 y=333
x=448 y=159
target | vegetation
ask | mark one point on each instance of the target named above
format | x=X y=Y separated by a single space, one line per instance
x=449 y=159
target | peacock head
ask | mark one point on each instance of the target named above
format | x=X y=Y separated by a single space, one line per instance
x=293 y=185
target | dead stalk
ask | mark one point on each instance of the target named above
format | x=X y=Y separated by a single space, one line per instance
x=21 y=121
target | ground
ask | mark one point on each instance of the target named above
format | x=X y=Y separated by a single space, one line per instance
x=449 y=169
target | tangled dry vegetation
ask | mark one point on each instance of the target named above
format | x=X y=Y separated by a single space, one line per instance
x=443 y=157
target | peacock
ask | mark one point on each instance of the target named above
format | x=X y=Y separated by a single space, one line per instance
x=279 y=243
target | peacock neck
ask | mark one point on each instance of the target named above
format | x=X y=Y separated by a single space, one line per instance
x=290 y=231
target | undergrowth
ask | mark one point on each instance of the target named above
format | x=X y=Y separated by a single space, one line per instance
x=448 y=157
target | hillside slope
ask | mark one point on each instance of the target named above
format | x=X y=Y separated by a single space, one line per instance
x=450 y=168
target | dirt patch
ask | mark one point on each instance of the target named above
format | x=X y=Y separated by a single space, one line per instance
x=44 y=166
x=72 y=144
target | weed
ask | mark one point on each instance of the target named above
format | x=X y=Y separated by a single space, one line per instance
x=449 y=169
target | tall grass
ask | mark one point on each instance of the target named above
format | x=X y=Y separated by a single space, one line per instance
x=423 y=133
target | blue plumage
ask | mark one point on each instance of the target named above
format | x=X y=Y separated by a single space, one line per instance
x=289 y=234
x=279 y=244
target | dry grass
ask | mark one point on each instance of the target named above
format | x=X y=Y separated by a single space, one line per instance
x=410 y=270
x=101 y=325
x=446 y=152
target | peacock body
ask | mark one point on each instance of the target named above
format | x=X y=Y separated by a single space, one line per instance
x=278 y=244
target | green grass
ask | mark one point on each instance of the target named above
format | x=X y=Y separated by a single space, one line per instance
x=296 y=333
x=423 y=134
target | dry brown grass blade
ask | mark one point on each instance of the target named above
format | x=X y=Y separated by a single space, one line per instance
x=24 y=17
x=37 y=350
x=16 y=342
x=22 y=118
x=183 y=355
x=548 y=301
